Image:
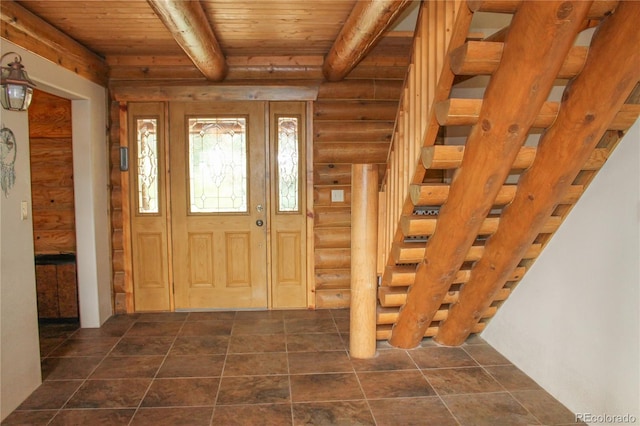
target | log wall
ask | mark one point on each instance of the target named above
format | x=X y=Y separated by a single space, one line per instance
x=353 y=121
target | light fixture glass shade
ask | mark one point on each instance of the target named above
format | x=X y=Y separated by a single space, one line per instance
x=17 y=87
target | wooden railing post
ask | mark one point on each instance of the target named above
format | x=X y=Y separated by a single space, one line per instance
x=364 y=240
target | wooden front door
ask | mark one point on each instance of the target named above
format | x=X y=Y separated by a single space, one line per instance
x=219 y=221
x=218 y=197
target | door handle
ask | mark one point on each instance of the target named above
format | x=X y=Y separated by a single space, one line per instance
x=259 y=222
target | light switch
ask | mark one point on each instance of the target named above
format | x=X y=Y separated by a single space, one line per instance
x=24 y=210
x=337 y=195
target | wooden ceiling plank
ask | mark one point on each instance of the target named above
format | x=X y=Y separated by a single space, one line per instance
x=513 y=98
x=611 y=72
x=32 y=33
x=363 y=29
x=187 y=22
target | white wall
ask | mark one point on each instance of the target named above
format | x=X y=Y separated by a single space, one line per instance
x=19 y=353
x=572 y=324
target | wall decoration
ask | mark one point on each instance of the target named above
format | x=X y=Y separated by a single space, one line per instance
x=8 y=149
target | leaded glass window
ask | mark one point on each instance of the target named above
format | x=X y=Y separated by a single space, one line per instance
x=288 y=164
x=147 y=155
x=218 y=165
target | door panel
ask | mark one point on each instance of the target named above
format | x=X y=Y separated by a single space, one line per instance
x=218 y=191
x=288 y=205
x=149 y=234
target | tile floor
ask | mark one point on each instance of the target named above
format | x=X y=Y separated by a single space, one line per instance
x=270 y=368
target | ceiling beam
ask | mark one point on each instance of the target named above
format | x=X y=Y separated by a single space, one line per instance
x=512 y=101
x=589 y=104
x=362 y=30
x=187 y=22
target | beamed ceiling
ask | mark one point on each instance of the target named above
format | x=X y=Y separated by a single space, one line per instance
x=212 y=39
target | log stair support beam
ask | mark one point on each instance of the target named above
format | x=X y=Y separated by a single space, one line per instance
x=508 y=111
x=188 y=23
x=390 y=315
x=483 y=57
x=404 y=275
x=364 y=27
x=417 y=226
x=598 y=10
x=395 y=297
x=384 y=331
x=412 y=253
x=435 y=194
x=451 y=157
x=612 y=72
x=465 y=112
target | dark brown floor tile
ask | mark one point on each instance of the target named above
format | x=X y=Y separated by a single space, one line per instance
x=319 y=362
x=85 y=347
x=258 y=315
x=254 y=390
x=461 y=380
x=394 y=384
x=314 y=342
x=486 y=355
x=248 y=343
x=206 y=328
x=314 y=325
x=155 y=328
x=475 y=339
x=325 y=387
x=307 y=314
x=50 y=395
x=545 y=407
x=113 y=393
x=173 y=416
x=212 y=316
x=53 y=330
x=93 y=417
x=139 y=345
x=385 y=359
x=440 y=357
x=340 y=313
x=512 y=378
x=258 y=326
x=489 y=409
x=69 y=368
x=257 y=364
x=25 y=418
x=182 y=392
x=263 y=414
x=97 y=333
x=163 y=316
x=48 y=345
x=128 y=367
x=343 y=325
x=411 y=412
x=345 y=413
x=200 y=345
x=192 y=366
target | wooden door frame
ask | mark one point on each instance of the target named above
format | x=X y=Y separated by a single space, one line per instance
x=222 y=94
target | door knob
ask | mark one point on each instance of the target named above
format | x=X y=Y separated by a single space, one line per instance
x=259 y=222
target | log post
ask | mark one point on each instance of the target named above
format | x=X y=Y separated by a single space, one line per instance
x=364 y=240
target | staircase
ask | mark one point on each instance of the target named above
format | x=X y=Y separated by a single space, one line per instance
x=419 y=195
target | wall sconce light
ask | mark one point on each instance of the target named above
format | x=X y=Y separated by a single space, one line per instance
x=17 y=87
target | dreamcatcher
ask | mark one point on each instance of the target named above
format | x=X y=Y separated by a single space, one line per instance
x=8 y=150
